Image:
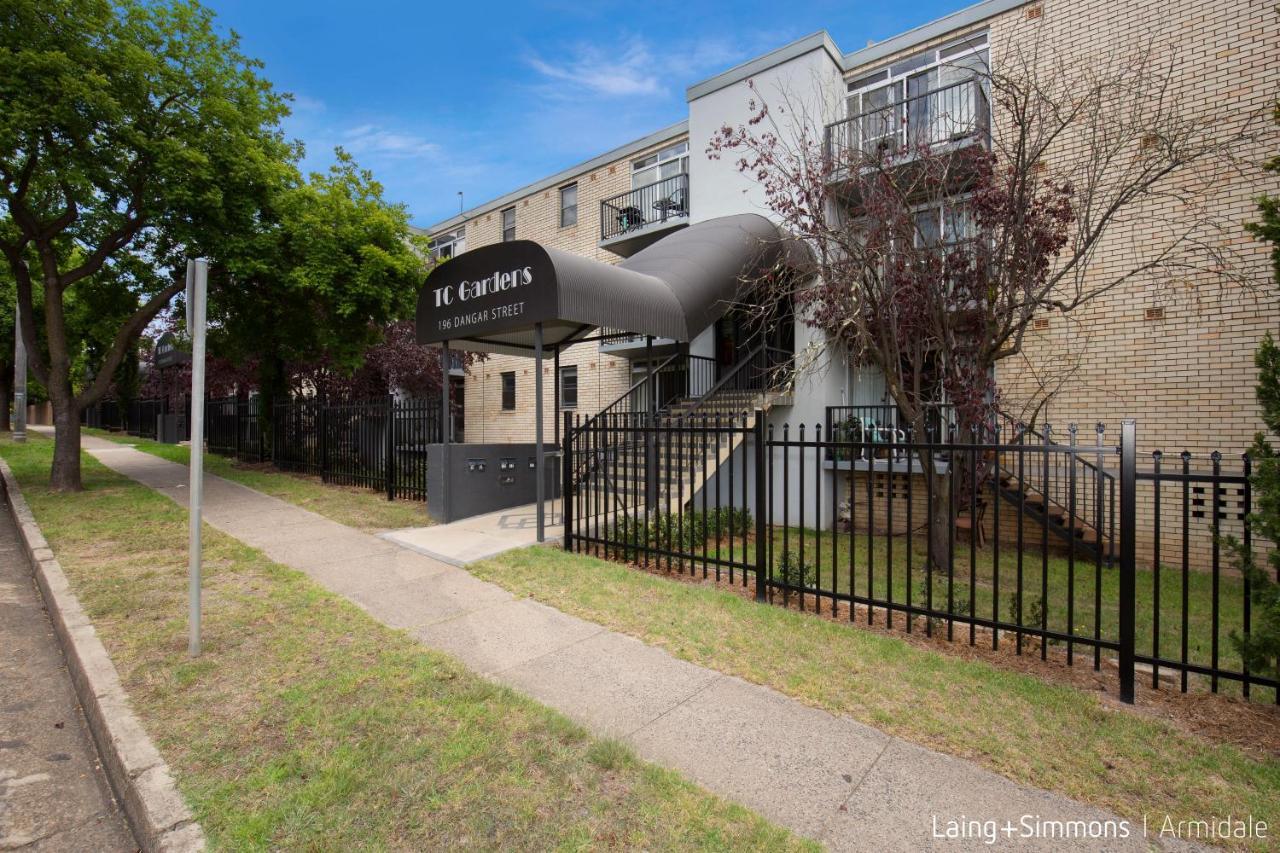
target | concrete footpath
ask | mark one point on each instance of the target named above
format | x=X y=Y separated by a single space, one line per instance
x=825 y=777
x=53 y=793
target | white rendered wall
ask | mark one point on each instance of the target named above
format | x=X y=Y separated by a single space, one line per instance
x=806 y=91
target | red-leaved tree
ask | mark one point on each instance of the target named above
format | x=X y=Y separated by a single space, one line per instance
x=942 y=225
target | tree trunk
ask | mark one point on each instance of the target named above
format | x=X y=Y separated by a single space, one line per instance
x=6 y=395
x=940 y=534
x=65 y=476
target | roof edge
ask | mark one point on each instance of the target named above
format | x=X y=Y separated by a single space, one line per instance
x=933 y=29
x=560 y=177
x=821 y=40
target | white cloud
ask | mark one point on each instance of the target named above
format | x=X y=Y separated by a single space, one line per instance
x=307 y=104
x=374 y=139
x=634 y=67
x=626 y=72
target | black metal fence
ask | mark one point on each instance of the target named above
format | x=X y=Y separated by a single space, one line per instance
x=231 y=428
x=377 y=444
x=346 y=443
x=135 y=417
x=935 y=536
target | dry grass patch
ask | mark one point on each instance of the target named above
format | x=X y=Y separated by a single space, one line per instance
x=307 y=725
x=1040 y=733
x=363 y=509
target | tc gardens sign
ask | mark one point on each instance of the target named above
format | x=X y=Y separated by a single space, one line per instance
x=486 y=291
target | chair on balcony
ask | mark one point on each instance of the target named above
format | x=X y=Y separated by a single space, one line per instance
x=672 y=205
x=629 y=219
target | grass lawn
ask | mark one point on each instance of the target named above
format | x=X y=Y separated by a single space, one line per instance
x=985 y=582
x=1043 y=734
x=307 y=725
x=363 y=509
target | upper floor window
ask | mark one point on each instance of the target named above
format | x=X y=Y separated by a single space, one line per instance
x=934 y=96
x=445 y=246
x=667 y=163
x=569 y=205
x=508 y=224
x=945 y=225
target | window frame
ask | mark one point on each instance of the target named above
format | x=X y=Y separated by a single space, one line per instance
x=450 y=244
x=508 y=230
x=565 y=209
x=567 y=370
x=677 y=152
x=898 y=79
x=508 y=386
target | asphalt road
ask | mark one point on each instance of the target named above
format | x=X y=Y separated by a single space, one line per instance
x=53 y=795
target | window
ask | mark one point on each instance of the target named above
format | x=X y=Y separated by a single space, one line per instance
x=508 y=225
x=508 y=390
x=925 y=99
x=569 y=387
x=667 y=163
x=949 y=225
x=445 y=246
x=569 y=205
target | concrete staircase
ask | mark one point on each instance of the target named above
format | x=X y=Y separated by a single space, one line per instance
x=689 y=440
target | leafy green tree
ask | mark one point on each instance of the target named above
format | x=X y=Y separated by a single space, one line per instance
x=1261 y=648
x=337 y=265
x=132 y=136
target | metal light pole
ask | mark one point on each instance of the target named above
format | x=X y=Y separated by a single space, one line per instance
x=197 y=287
x=19 y=377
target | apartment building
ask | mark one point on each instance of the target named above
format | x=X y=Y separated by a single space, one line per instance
x=1177 y=355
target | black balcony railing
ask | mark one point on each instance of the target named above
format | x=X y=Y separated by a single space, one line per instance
x=955 y=113
x=657 y=202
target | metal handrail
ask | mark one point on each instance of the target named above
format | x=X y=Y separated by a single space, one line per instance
x=895 y=120
x=733 y=374
x=631 y=210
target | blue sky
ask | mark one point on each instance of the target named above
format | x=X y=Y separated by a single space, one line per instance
x=483 y=97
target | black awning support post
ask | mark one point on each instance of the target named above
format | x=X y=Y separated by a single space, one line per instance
x=651 y=434
x=539 y=454
x=446 y=420
x=555 y=394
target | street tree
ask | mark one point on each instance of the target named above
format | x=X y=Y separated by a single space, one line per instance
x=333 y=264
x=133 y=135
x=1260 y=647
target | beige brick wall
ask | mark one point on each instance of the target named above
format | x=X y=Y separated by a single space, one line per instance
x=1188 y=376
x=601 y=378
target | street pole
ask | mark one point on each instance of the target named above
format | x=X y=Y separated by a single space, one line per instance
x=197 y=288
x=19 y=378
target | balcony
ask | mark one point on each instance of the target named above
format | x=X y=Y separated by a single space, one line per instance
x=952 y=116
x=634 y=219
x=634 y=347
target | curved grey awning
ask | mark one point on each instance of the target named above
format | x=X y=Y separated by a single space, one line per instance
x=489 y=299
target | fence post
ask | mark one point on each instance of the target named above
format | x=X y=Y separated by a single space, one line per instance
x=239 y=426
x=324 y=441
x=391 y=448
x=762 y=533
x=1128 y=555
x=566 y=481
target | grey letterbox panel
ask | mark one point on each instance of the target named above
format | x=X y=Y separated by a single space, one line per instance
x=485 y=478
